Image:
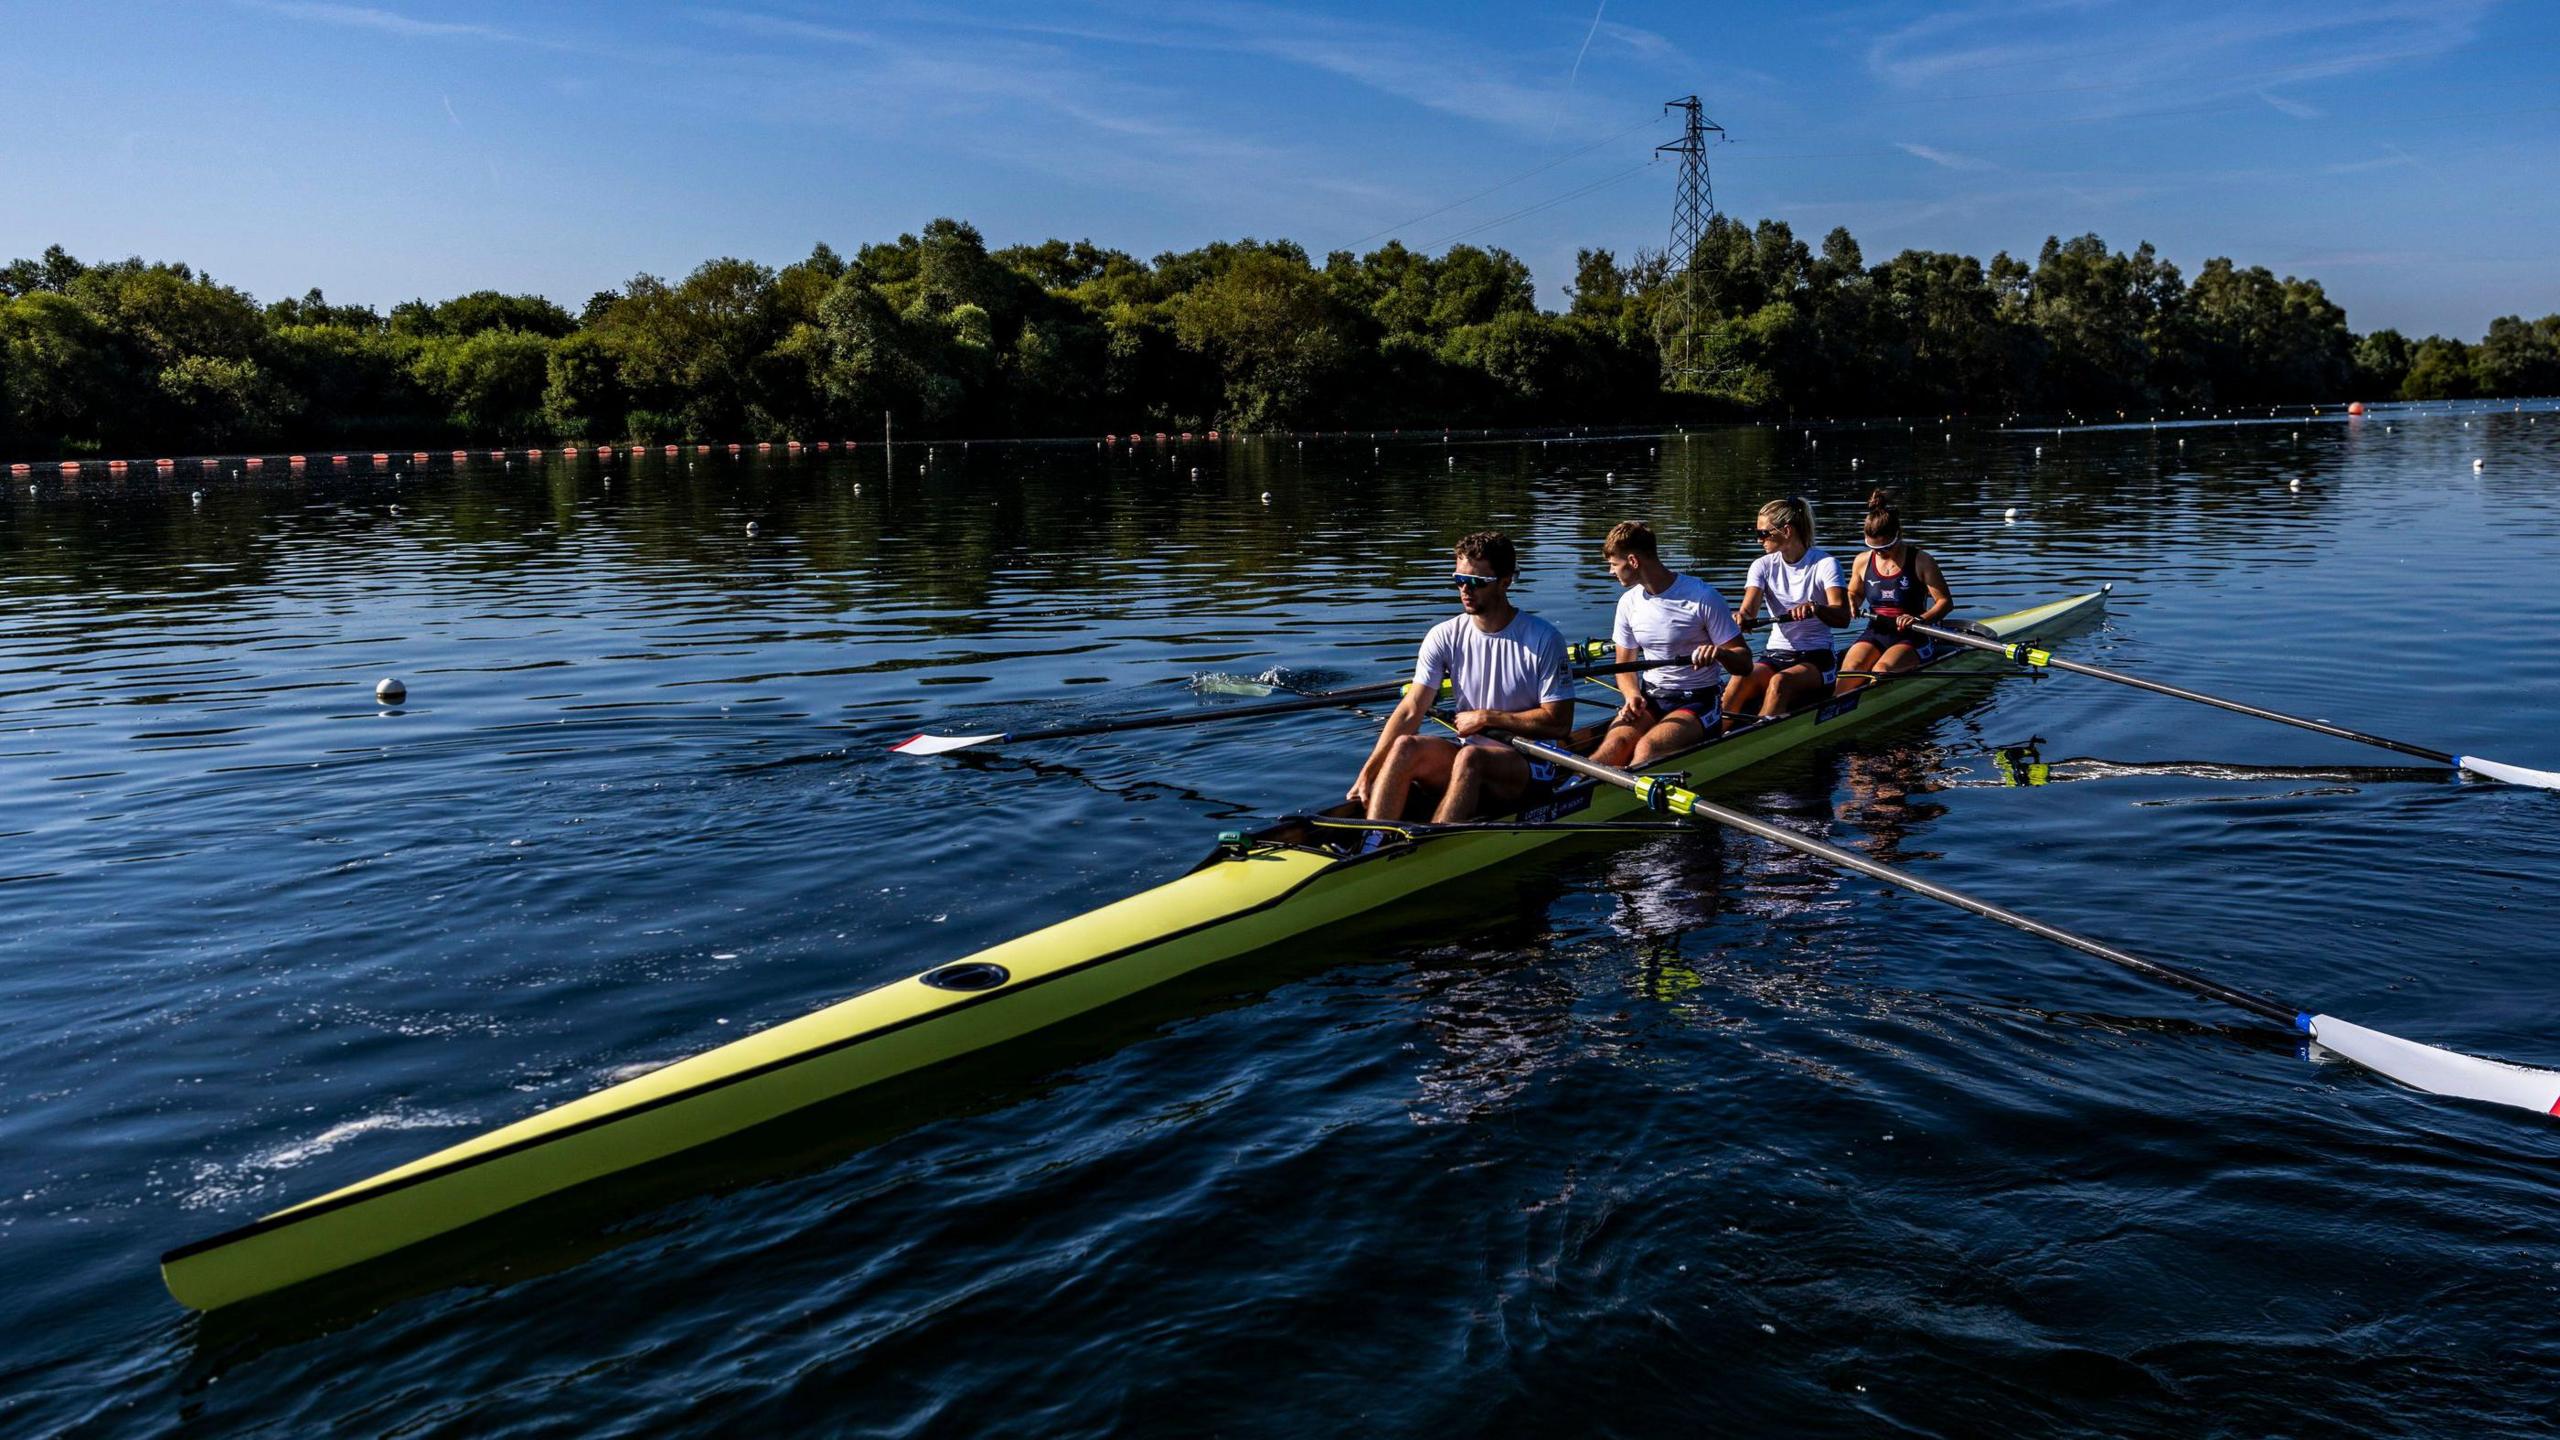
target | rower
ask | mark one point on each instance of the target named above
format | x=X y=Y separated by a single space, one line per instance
x=1510 y=675
x=1900 y=586
x=1800 y=583
x=1666 y=616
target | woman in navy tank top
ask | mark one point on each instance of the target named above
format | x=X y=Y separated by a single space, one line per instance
x=1897 y=584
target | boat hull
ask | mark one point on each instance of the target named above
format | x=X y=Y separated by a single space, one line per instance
x=1249 y=897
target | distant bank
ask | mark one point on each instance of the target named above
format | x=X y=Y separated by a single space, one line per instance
x=142 y=358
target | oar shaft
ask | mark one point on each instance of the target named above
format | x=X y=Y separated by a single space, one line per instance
x=1320 y=700
x=2043 y=660
x=1687 y=803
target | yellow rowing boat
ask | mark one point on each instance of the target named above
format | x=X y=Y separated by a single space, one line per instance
x=1253 y=892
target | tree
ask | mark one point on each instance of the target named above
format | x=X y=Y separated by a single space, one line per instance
x=491 y=382
x=583 y=396
x=2382 y=363
x=2439 y=369
x=2516 y=358
x=1277 y=334
x=221 y=403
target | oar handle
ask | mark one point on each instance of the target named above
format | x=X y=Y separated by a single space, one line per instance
x=2033 y=658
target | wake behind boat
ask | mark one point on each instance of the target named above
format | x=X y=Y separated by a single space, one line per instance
x=1255 y=890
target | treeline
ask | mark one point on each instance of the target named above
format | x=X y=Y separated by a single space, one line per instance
x=1069 y=338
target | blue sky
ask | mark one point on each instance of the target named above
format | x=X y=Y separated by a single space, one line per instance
x=2400 y=150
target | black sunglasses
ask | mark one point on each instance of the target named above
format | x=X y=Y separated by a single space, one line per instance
x=1465 y=581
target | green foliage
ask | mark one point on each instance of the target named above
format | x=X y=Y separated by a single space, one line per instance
x=231 y=402
x=582 y=394
x=491 y=383
x=481 y=311
x=2439 y=369
x=1276 y=333
x=2517 y=358
x=1063 y=336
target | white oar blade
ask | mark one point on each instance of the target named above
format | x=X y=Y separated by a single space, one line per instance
x=2512 y=774
x=941 y=744
x=2441 y=1072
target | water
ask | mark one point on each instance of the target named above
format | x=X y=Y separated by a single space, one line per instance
x=1683 y=1134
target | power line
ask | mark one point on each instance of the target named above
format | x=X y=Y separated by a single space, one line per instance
x=1547 y=204
x=1644 y=124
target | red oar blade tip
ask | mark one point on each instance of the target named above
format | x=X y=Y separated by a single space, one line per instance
x=2512 y=774
x=941 y=744
x=2439 y=1071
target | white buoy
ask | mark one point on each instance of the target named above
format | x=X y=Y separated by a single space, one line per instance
x=195 y=497
x=1612 y=475
x=2039 y=452
x=2010 y=515
x=919 y=469
x=2479 y=464
x=1195 y=472
x=390 y=691
x=2296 y=485
x=1655 y=451
x=751 y=527
x=1266 y=497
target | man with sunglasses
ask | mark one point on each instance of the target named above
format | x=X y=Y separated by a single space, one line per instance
x=1510 y=675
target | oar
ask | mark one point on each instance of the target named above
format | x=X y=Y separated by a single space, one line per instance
x=1324 y=699
x=2424 y=1067
x=2039 y=659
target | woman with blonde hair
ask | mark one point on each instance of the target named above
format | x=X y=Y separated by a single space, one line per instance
x=1800 y=583
x=1899 y=585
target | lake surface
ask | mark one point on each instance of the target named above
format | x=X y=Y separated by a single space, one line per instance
x=1682 y=1134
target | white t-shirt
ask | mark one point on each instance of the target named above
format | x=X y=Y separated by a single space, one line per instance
x=1687 y=614
x=1806 y=582
x=1518 y=667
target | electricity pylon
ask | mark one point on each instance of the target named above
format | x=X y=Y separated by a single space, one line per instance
x=1689 y=213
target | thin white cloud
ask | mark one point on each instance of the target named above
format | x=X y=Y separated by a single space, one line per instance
x=1948 y=158
x=2295 y=108
x=367 y=17
x=2397 y=159
x=2134 y=58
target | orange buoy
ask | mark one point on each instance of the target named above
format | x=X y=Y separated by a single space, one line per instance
x=297 y=461
x=417 y=457
x=794 y=444
x=734 y=447
x=380 y=458
x=1213 y=434
x=764 y=445
x=533 y=454
x=70 y=467
x=18 y=468
x=461 y=455
x=337 y=459
x=1186 y=434
x=822 y=444
x=2356 y=409
x=255 y=462
x=670 y=450
x=115 y=467
x=569 y=450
